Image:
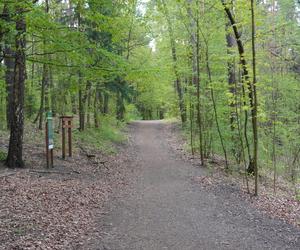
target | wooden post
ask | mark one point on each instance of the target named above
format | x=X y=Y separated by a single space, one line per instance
x=66 y=122
x=70 y=137
x=63 y=140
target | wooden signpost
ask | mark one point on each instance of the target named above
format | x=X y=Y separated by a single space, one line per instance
x=49 y=140
x=66 y=123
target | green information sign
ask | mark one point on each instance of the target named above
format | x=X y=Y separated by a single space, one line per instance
x=50 y=130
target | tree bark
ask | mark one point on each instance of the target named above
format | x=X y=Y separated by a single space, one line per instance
x=120 y=106
x=105 y=103
x=83 y=96
x=197 y=82
x=88 y=117
x=178 y=86
x=195 y=55
x=254 y=108
x=15 y=149
x=246 y=80
x=9 y=62
x=43 y=99
x=215 y=107
x=97 y=107
x=80 y=104
x=230 y=42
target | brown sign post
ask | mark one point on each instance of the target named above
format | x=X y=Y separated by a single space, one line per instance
x=66 y=124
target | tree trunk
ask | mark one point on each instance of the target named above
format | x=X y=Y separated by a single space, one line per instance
x=74 y=103
x=245 y=79
x=105 y=104
x=52 y=93
x=15 y=149
x=80 y=105
x=96 y=108
x=215 y=106
x=9 y=61
x=82 y=102
x=254 y=108
x=197 y=82
x=179 y=89
x=43 y=105
x=120 y=106
x=195 y=56
x=231 y=73
x=88 y=117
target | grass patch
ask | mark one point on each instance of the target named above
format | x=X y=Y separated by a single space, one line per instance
x=104 y=138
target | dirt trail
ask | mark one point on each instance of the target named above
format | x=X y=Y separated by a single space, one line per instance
x=164 y=209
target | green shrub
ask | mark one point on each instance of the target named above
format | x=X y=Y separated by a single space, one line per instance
x=3 y=155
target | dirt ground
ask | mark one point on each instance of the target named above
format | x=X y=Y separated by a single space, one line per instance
x=57 y=208
x=146 y=197
x=163 y=208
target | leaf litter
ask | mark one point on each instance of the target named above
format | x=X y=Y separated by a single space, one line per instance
x=57 y=208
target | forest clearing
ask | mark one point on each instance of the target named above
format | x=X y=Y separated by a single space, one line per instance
x=149 y=124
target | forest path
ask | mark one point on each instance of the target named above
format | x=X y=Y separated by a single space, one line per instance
x=164 y=209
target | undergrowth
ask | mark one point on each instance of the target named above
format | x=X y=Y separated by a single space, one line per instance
x=103 y=138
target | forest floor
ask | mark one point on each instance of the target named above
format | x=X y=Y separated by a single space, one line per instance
x=56 y=208
x=152 y=194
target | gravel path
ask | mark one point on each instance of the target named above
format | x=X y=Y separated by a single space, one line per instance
x=164 y=209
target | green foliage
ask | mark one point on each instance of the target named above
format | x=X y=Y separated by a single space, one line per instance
x=132 y=113
x=104 y=138
x=103 y=59
x=3 y=156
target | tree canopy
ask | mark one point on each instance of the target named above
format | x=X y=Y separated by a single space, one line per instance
x=229 y=70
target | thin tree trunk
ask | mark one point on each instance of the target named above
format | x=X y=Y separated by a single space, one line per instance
x=88 y=117
x=191 y=107
x=105 y=104
x=97 y=107
x=53 y=106
x=231 y=72
x=231 y=85
x=43 y=105
x=44 y=102
x=80 y=104
x=194 y=41
x=274 y=103
x=74 y=103
x=197 y=81
x=246 y=80
x=30 y=108
x=178 y=87
x=254 y=108
x=241 y=142
x=120 y=106
x=209 y=75
x=215 y=107
x=9 y=62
